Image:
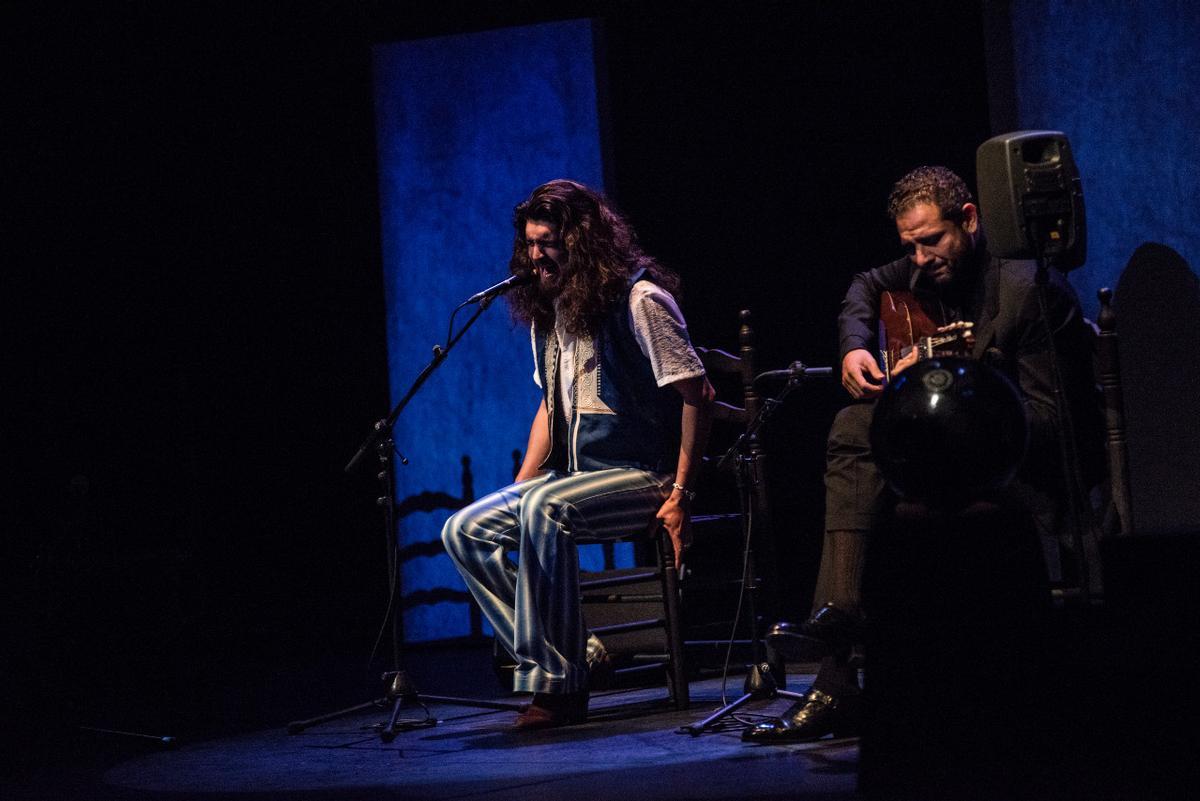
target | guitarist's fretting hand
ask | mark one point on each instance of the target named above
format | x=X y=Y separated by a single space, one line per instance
x=861 y=376
x=905 y=362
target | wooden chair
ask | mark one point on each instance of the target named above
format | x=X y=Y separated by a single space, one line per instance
x=737 y=418
x=1083 y=574
x=1108 y=374
x=429 y=501
x=622 y=605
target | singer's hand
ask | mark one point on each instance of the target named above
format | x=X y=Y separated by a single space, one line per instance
x=861 y=376
x=676 y=518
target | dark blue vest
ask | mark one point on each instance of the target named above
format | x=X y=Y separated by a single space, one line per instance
x=630 y=422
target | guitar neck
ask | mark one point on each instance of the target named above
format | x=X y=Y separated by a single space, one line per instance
x=926 y=348
x=906 y=324
x=930 y=343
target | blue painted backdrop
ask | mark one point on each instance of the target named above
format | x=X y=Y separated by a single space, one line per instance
x=467 y=126
x=1122 y=81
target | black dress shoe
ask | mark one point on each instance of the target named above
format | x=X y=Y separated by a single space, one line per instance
x=814 y=717
x=828 y=629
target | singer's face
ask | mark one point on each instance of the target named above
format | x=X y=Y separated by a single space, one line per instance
x=936 y=246
x=547 y=254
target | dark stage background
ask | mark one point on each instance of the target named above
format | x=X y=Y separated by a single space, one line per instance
x=198 y=316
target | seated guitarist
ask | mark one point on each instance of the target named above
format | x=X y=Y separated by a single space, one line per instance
x=948 y=276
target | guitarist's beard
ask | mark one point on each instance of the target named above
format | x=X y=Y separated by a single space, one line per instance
x=953 y=276
x=941 y=274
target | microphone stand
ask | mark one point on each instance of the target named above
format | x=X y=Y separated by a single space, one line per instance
x=760 y=683
x=400 y=691
x=1084 y=535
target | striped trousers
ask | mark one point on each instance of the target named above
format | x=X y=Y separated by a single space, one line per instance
x=534 y=605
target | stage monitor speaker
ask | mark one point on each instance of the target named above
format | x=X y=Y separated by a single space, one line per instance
x=1031 y=198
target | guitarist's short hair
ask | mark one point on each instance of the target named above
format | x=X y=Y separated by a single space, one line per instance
x=937 y=185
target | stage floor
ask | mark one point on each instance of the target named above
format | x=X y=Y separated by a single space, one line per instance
x=1114 y=719
x=629 y=749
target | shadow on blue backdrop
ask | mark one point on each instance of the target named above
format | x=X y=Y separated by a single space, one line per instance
x=1122 y=81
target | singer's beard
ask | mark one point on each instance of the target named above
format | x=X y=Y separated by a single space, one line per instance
x=549 y=278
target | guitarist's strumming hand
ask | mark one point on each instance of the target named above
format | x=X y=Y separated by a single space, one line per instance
x=958 y=336
x=861 y=376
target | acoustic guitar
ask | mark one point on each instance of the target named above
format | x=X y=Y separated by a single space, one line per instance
x=905 y=324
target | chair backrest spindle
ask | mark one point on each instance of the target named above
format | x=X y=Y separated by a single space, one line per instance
x=743 y=369
x=1109 y=376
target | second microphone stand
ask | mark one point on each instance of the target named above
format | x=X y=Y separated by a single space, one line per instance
x=760 y=683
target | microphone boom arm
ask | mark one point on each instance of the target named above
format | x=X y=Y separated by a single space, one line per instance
x=795 y=374
x=384 y=427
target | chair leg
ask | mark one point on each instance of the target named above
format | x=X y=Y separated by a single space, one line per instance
x=674 y=623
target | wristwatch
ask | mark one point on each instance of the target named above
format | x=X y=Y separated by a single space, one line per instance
x=687 y=493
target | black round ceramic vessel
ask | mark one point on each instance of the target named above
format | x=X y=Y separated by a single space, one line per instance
x=948 y=431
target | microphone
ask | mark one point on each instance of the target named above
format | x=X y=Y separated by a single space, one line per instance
x=797 y=371
x=513 y=281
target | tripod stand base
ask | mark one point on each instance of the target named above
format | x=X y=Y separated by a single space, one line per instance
x=166 y=741
x=297 y=726
x=759 y=686
x=401 y=693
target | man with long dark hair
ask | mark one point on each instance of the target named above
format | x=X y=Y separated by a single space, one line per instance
x=611 y=449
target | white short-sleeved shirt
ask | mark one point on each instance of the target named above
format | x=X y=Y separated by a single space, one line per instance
x=661 y=334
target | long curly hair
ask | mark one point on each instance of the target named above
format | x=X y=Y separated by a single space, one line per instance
x=602 y=253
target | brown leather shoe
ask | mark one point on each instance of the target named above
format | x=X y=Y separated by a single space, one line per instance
x=551 y=710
